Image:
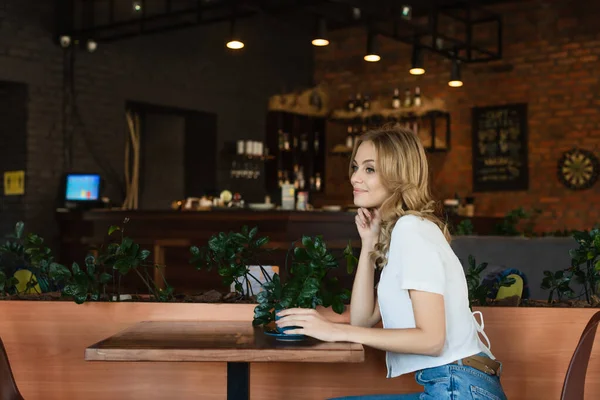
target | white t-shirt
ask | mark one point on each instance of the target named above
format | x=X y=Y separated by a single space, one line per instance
x=420 y=258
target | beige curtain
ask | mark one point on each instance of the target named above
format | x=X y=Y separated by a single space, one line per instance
x=132 y=163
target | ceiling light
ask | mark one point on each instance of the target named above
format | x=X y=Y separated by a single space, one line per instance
x=455 y=79
x=416 y=67
x=65 y=41
x=320 y=38
x=91 y=45
x=234 y=42
x=406 y=12
x=137 y=6
x=372 y=54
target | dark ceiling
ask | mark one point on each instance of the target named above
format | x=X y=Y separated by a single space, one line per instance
x=109 y=20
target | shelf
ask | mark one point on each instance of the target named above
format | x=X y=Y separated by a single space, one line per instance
x=402 y=114
x=377 y=110
x=341 y=150
x=252 y=157
x=432 y=127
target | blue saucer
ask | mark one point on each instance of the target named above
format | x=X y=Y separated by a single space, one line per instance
x=285 y=337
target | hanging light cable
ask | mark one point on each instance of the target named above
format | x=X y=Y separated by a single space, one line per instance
x=320 y=37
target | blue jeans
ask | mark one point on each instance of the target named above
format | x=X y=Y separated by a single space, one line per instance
x=451 y=381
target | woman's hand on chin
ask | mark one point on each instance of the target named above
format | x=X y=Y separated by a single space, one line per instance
x=368 y=224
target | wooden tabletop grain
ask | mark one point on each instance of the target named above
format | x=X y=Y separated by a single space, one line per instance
x=214 y=341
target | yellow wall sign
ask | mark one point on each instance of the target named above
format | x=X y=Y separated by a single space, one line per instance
x=14 y=183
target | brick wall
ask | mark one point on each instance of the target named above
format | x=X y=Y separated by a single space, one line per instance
x=553 y=48
x=188 y=69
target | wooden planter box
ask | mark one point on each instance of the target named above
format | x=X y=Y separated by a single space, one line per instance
x=46 y=341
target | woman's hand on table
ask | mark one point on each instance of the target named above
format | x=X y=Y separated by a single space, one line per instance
x=310 y=323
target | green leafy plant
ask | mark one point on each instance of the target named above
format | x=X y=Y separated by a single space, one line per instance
x=308 y=284
x=464 y=227
x=584 y=269
x=480 y=293
x=351 y=260
x=114 y=261
x=87 y=283
x=27 y=251
x=231 y=253
x=509 y=225
x=558 y=283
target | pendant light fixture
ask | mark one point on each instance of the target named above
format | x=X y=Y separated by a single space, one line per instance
x=234 y=42
x=455 y=79
x=136 y=6
x=320 y=36
x=416 y=67
x=372 y=54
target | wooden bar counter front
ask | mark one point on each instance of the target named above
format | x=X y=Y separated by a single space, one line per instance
x=169 y=235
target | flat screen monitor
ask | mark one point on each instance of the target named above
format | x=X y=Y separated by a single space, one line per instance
x=82 y=187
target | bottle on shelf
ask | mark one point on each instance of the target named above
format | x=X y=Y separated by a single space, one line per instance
x=304 y=142
x=358 y=105
x=316 y=143
x=415 y=126
x=301 y=180
x=350 y=104
x=280 y=139
x=295 y=141
x=318 y=182
x=417 y=100
x=286 y=141
x=286 y=178
x=367 y=103
x=350 y=137
x=407 y=99
x=396 y=99
x=296 y=176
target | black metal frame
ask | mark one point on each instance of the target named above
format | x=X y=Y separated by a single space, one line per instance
x=433 y=116
x=430 y=116
x=382 y=18
x=238 y=381
x=202 y=14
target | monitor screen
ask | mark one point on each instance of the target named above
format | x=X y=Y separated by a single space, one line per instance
x=82 y=187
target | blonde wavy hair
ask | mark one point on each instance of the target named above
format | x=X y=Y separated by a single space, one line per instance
x=403 y=168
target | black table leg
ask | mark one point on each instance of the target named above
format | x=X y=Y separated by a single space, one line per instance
x=238 y=381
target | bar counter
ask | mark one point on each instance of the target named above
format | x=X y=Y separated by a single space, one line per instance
x=169 y=234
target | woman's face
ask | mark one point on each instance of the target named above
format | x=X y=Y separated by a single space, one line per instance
x=369 y=191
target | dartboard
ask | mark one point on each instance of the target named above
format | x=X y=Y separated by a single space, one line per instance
x=578 y=169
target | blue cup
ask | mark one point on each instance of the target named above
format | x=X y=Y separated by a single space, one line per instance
x=287 y=328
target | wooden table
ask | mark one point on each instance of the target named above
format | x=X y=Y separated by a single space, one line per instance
x=236 y=343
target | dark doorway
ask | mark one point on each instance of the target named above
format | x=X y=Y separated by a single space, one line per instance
x=13 y=150
x=178 y=154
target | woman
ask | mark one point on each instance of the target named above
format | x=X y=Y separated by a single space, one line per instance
x=422 y=295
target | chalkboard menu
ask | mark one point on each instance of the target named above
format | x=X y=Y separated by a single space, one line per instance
x=500 y=148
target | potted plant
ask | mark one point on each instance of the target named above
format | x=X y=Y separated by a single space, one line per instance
x=232 y=253
x=27 y=253
x=100 y=279
x=584 y=270
x=106 y=270
x=308 y=284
